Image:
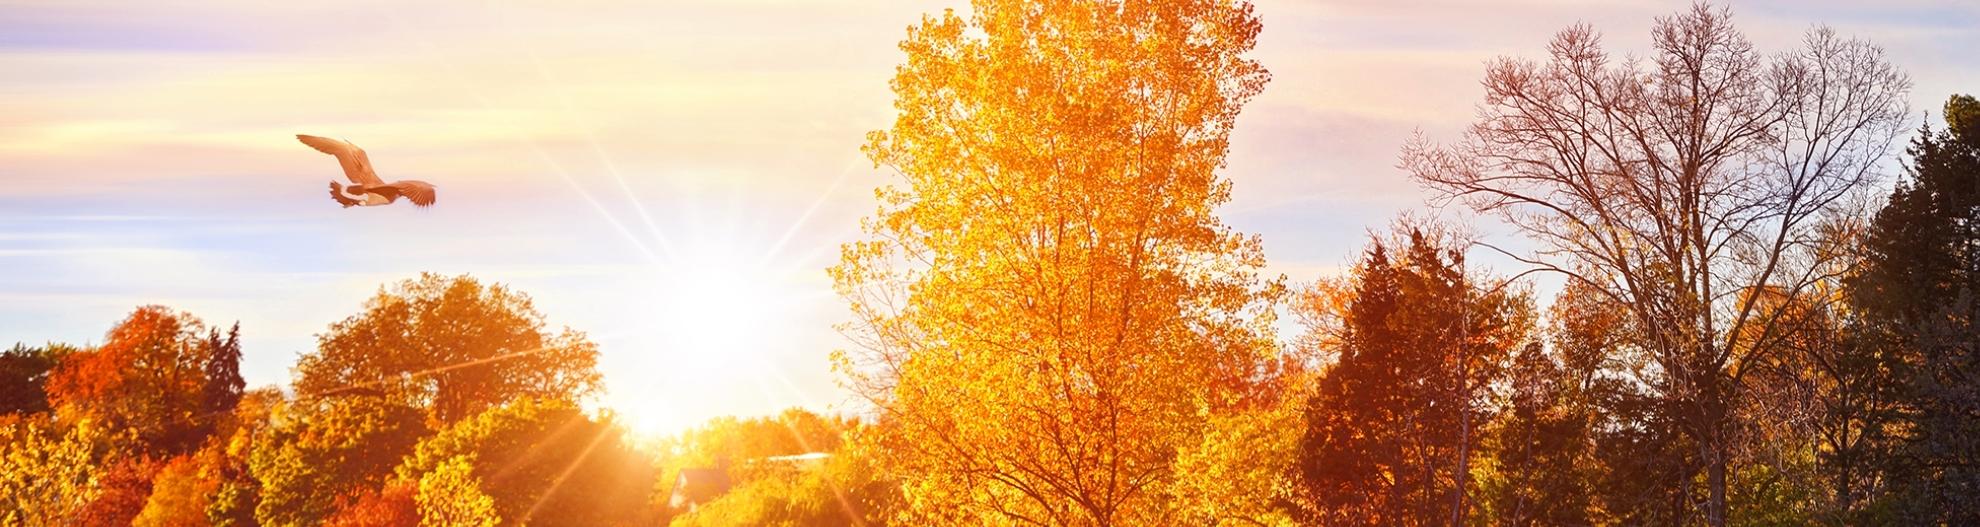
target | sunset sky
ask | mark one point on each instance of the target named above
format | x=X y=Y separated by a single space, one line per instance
x=670 y=176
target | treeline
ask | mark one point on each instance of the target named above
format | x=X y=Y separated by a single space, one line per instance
x=1053 y=327
x=445 y=402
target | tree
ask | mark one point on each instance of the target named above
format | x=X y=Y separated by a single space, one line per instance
x=797 y=468
x=450 y=346
x=125 y=485
x=1391 y=435
x=450 y=496
x=543 y=462
x=147 y=378
x=223 y=373
x=1630 y=465
x=24 y=377
x=1539 y=470
x=395 y=505
x=1678 y=186
x=181 y=493
x=1049 y=309
x=238 y=492
x=841 y=489
x=319 y=454
x=1237 y=474
x=46 y=475
x=726 y=440
x=1916 y=292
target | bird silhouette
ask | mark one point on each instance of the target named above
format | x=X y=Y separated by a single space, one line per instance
x=366 y=188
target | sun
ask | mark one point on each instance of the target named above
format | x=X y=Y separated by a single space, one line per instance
x=718 y=305
x=725 y=317
x=731 y=316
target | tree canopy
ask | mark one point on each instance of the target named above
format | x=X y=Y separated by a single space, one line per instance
x=1680 y=186
x=1049 y=308
x=450 y=346
x=1391 y=435
x=148 y=378
x=541 y=462
x=1917 y=290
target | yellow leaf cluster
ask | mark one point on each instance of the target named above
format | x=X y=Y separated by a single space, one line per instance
x=451 y=496
x=46 y=476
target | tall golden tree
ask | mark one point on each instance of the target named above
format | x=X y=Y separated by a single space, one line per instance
x=1049 y=310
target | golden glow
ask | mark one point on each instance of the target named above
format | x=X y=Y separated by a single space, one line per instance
x=726 y=312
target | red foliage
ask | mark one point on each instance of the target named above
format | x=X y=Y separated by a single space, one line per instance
x=126 y=485
x=147 y=377
x=391 y=507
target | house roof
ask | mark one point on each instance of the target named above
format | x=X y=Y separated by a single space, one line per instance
x=698 y=485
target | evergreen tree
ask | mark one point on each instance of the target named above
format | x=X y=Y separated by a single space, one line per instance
x=24 y=377
x=1921 y=272
x=223 y=372
x=1392 y=434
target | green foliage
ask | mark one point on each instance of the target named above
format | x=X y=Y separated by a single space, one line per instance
x=1917 y=292
x=1539 y=470
x=1963 y=117
x=727 y=439
x=223 y=388
x=316 y=452
x=450 y=496
x=238 y=492
x=233 y=504
x=46 y=475
x=724 y=441
x=24 y=377
x=1766 y=495
x=543 y=462
x=834 y=491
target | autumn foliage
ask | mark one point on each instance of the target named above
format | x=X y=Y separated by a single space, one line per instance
x=1049 y=309
x=1392 y=434
x=1053 y=327
x=147 y=379
x=451 y=347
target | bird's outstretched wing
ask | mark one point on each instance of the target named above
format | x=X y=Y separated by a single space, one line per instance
x=420 y=192
x=337 y=193
x=357 y=166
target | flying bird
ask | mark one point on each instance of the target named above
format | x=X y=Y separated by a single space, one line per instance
x=366 y=188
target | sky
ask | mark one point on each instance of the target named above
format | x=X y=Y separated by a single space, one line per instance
x=671 y=177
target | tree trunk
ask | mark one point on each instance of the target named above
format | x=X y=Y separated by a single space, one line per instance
x=1715 y=476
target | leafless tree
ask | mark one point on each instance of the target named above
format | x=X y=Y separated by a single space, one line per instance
x=1679 y=186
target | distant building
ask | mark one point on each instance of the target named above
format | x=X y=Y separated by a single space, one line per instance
x=696 y=486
